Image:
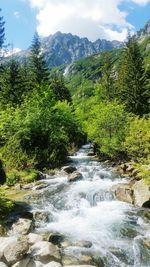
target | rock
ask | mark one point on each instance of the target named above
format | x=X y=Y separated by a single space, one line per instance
x=53 y=264
x=28 y=186
x=79 y=265
x=4 y=242
x=22 y=226
x=40 y=186
x=69 y=169
x=22 y=263
x=123 y=192
x=84 y=244
x=33 y=263
x=76 y=260
x=34 y=238
x=40 y=216
x=91 y=154
x=56 y=238
x=45 y=252
x=75 y=176
x=2 y=264
x=15 y=251
x=141 y=194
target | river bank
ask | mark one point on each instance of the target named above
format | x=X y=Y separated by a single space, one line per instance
x=78 y=222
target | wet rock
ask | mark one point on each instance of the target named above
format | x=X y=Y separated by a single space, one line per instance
x=79 y=265
x=76 y=260
x=45 y=252
x=122 y=255
x=123 y=192
x=129 y=232
x=69 y=169
x=34 y=238
x=53 y=264
x=56 y=238
x=22 y=263
x=15 y=251
x=40 y=186
x=40 y=216
x=91 y=154
x=84 y=244
x=2 y=264
x=141 y=194
x=75 y=176
x=22 y=226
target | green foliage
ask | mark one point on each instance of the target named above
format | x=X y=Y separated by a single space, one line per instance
x=106 y=126
x=24 y=176
x=59 y=89
x=38 y=63
x=137 y=141
x=38 y=132
x=133 y=85
x=6 y=206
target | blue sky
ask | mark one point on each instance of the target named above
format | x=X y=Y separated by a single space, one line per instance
x=94 y=19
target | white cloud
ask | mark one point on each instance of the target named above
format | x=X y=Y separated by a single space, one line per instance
x=87 y=18
x=17 y=14
x=141 y=2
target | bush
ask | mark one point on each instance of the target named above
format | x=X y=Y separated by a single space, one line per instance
x=137 y=142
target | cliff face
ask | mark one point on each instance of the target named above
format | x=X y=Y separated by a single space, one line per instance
x=62 y=48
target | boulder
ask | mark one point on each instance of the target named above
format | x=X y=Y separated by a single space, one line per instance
x=40 y=186
x=15 y=251
x=123 y=192
x=79 y=265
x=75 y=176
x=55 y=238
x=22 y=263
x=69 y=169
x=34 y=238
x=22 y=226
x=45 y=252
x=84 y=244
x=41 y=216
x=141 y=194
x=4 y=242
x=53 y=264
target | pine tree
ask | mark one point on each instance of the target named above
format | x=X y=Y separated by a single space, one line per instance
x=38 y=63
x=11 y=87
x=132 y=80
x=59 y=89
x=2 y=31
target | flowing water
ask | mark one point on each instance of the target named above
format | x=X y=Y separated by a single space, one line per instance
x=86 y=210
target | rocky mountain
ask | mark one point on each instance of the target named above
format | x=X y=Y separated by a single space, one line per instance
x=144 y=32
x=62 y=48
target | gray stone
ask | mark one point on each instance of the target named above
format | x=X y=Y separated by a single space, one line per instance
x=141 y=193
x=22 y=226
x=69 y=169
x=123 y=192
x=40 y=216
x=53 y=264
x=23 y=263
x=84 y=244
x=40 y=186
x=75 y=176
x=45 y=252
x=15 y=251
x=34 y=238
x=4 y=242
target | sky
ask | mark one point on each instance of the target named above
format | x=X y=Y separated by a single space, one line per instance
x=104 y=19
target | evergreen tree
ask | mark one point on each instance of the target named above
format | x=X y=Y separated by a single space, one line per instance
x=38 y=63
x=2 y=31
x=60 y=91
x=132 y=81
x=106 y=83
x=11 y=86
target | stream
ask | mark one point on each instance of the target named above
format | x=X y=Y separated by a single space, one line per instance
x=86 y=210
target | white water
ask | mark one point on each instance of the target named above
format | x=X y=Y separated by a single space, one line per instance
x=86 y=210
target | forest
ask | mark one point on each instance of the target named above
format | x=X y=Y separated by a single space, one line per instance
x=44 y=116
